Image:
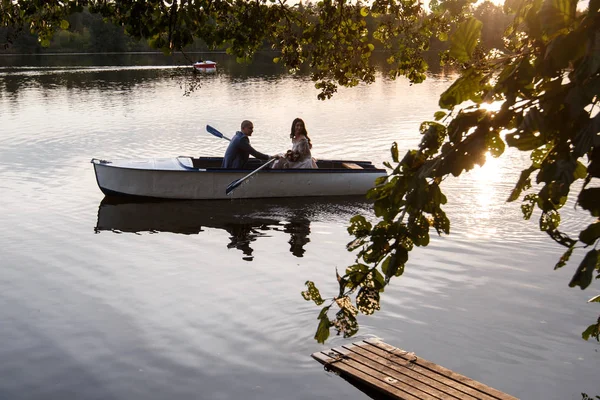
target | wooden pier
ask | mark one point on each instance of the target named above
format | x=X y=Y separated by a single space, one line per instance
x=398 y=374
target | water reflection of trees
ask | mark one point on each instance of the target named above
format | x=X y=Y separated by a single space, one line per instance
x=15 y=81
x=245 y=221
x=125 y=72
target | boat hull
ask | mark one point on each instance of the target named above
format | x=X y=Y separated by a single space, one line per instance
x=175 y=178
x=207 y=66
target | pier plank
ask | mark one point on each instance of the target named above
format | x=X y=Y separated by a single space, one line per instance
x=444 y=371
x=423 y=367
x=413 y=370
x=380 y=373
x=376 y=384
x=399 y=374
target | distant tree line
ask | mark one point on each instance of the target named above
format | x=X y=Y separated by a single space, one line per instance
x=90 y=33
x=87 y=33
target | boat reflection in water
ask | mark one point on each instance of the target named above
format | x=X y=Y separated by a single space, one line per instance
x=244 y=220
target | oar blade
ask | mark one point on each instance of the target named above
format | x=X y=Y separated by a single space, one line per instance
x=213 y=131
x=233 y=185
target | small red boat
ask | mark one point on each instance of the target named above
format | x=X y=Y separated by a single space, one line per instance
x=205 y=66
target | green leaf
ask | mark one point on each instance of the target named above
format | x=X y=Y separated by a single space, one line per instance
x=367 y=300
x=564 y=258
x=549 y=220
x=525 y=141
x=381 y=179
x=413 y=160
x=433 y=137
x=355 y=244
x=592 y=330
x=593 y=168
x=511 y=6
x=324 y=312
x=394 y=263
x=588 y=200
x=583 y=275
x=441 y=223
x=467 y=87
x=528 y=205
x=464 y=40
x=495 y=145
x=439 y=115
x=64 y=25
x=377 y=281
x=590 y=234
x=586 y=138
x=312 y=293
x=538 y=155
x=359 y=226
x=533 y=121
x=557 y=14
x=523 y=183
x=323 y=329
x=394 y=150
x=345 y=322
x=356 y=275
x=564 y=49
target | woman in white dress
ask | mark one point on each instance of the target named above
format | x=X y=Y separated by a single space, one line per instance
x=299 y=156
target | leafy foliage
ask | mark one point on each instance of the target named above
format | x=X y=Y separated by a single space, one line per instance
x=545 y=77
x=40 y=17
x=547 y=81
x=585 y=396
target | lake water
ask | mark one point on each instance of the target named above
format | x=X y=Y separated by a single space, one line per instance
x=189 y=300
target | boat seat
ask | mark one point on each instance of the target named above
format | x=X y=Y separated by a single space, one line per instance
x=351 y=165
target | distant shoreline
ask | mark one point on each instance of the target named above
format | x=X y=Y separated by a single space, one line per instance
x=108 y=53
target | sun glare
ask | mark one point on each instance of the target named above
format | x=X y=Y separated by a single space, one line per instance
x=496 y=2
x=485 y=194
x=495 y=106
x=490 y=171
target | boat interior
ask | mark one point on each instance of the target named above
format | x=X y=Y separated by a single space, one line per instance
x=253 y=163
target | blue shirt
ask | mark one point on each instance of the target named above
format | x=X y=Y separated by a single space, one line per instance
x=238 y=152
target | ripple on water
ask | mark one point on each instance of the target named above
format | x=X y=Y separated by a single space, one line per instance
x=176 y=300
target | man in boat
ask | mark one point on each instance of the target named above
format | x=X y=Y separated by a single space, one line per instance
x=239 y=150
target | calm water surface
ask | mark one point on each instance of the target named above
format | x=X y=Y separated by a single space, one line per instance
x=201 y=300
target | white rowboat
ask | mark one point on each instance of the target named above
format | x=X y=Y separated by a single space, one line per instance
x=205 y=66
x=203 y=178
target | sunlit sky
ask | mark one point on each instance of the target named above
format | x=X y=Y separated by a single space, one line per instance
x=581 y=4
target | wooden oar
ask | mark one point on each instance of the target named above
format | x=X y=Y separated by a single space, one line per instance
x=233 y=185
x=216 y=133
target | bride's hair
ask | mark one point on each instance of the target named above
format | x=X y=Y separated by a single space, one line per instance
x=304 y=132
